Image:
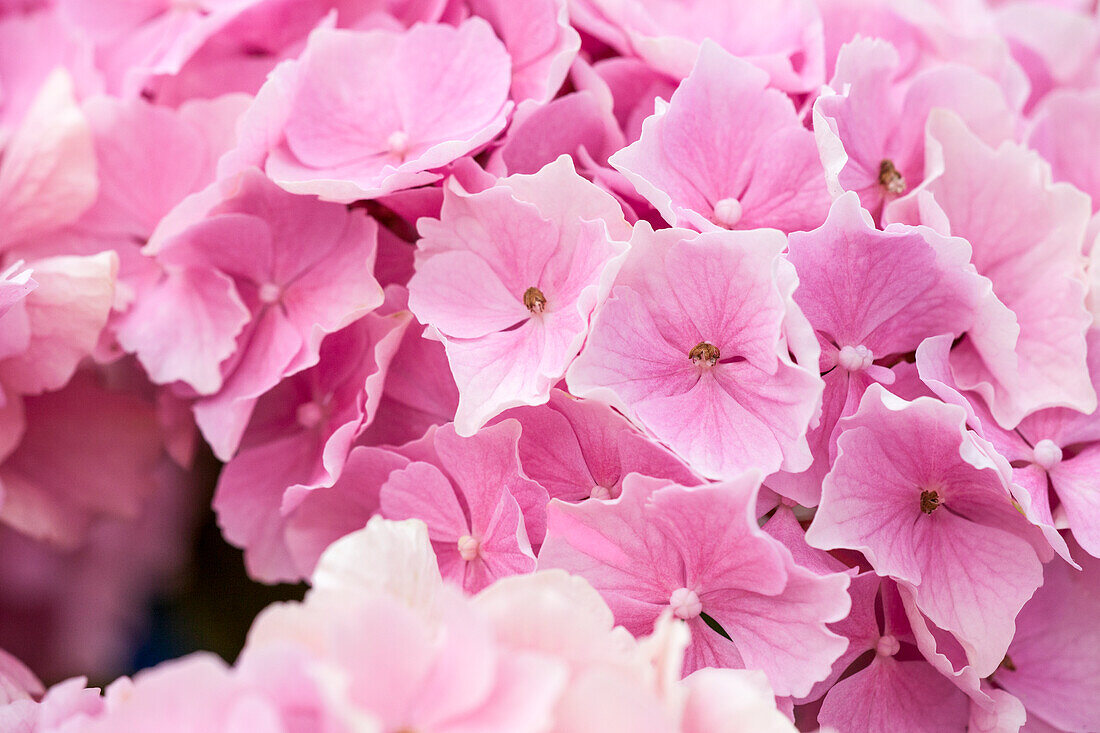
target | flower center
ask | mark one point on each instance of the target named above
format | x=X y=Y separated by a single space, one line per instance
x=890 y=178
x=398 y=143
x=887 y=646
x=469 y=547
x=685 y=603
x=534 y=300
x=929 y=501
x=1047 y=454
x=600 y=492
x=309 y=414
x=728 y=212
x=704 y=353
x=269 y=293
x=855 y=358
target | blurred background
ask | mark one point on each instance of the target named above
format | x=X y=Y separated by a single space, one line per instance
x=135 y=593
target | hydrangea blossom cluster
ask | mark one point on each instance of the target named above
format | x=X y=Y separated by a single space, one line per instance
x=625 y=365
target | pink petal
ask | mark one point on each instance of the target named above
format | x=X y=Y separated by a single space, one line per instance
x=725 y=136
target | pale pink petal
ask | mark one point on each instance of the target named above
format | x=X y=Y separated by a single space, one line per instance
x=66 y=312
x=48 y=167
x=1027 y=237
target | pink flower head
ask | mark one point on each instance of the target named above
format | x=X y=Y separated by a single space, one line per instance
x=263 y=275
x=299 y=438
x=474 y=499
x=782 y=37
x=642 y=552
x=872 y=296
x=508 y=278
x=433 y=94
x=727 y=152
x=1027 y=236
x=927 y=505
x=871 y=129
x=695 y=344
x=580 y=449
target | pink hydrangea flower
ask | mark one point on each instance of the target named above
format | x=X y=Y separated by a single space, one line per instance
x=259 y=300
x=436 y=93
x=483 y=514
x=507 y=279
x=727 y=152
x=928 y=506
x=872 y=297
x=701 y=344
x=871 y=129
x=580 y=449
x=641 y=551
x=1027 y=237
